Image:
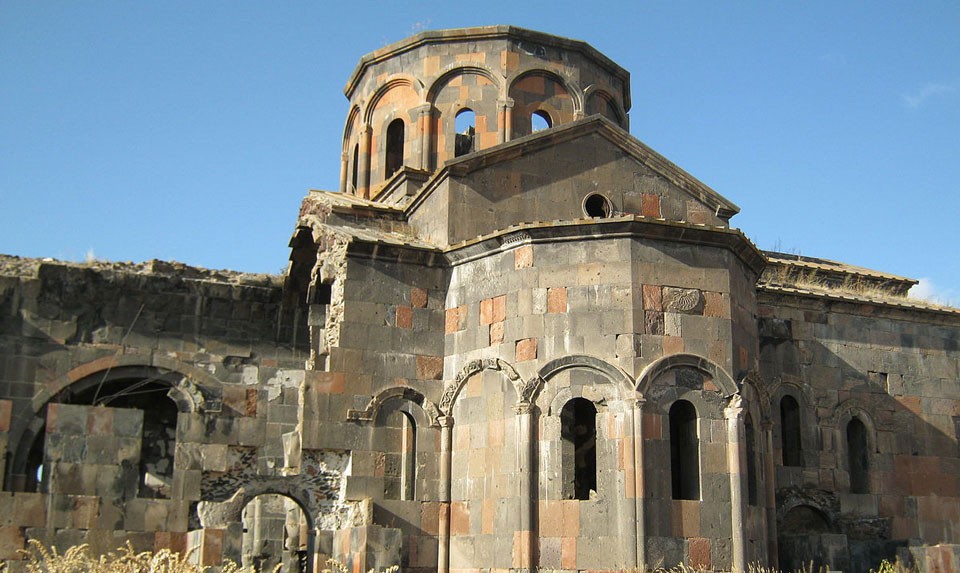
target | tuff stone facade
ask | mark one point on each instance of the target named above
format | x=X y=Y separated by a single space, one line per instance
x=498 y=349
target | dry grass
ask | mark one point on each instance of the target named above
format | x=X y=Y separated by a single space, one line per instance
x=79 y=559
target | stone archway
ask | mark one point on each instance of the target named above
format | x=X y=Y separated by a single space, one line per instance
x=276 y=533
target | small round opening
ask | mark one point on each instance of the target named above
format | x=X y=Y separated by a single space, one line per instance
x=596 y=205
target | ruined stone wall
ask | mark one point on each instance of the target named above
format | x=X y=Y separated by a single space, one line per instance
x=197 y=356
x=894 y=370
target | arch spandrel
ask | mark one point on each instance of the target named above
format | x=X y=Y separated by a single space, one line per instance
x=723 y=382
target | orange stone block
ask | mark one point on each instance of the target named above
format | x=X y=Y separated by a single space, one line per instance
x=672 y=345
x=652 y=297
x=714 y=306
x=451 y=320
x=526 y=349
x=489 y=513
x=699 y=549
x=571 y=518
x=11 y=541
x=459 y=518
x=650 y=205
x=486 y=311
x=568 y=553
x=523 y=257
x=429 y=367
x=500 y=308
x=418 y=297
x=404 y=317
x=557 y=299
x=551 y=518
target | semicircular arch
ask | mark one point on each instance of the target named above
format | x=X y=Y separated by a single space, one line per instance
x=394 y=82
x=404 y=393
x=573 y=90
x=438 y=84
x=719 y=376
x=597 y=92
x=452 y=389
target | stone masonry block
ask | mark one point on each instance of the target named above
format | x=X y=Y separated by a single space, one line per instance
x=526 y=349
x=418 y=297
x=496 y=333
x=652 y=297
x=430 y=367
x=556 y=300
x=523 y=257
x=682 y=300
x=539 y=300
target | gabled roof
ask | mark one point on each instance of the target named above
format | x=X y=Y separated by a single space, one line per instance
x=598 y=125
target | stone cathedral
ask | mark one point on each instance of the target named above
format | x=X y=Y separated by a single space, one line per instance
x=515 y=339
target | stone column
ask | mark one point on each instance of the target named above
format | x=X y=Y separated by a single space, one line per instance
x=363 y=185
x=506 y=119
x=638 y=481
x=526 y=452
x=425 y=119
x=344 y=160
x=446 y=442
x=770 y=491
x=732 y=413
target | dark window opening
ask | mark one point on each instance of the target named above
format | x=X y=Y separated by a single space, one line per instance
x=684 y=451
x=790 y=432
x=578 y=433
x=324 y=293
x=750 y=436
x=596 y=205
x=857 y=456
x=395 y=139
x=356 y=168
x=465 y=128
x=540 y=120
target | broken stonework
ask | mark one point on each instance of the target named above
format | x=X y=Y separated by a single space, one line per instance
x=544 y=350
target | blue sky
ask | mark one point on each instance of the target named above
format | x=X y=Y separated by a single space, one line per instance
x=190 y=131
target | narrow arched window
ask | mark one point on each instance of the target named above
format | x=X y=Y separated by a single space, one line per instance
x=790 y=432
x=356 y=168
x=857 y=456
x=578 y=432
x=401 y=461
x=540 y=120
x=394 y=155
x=750 y=436
x=465 y=126
x=684 y=451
